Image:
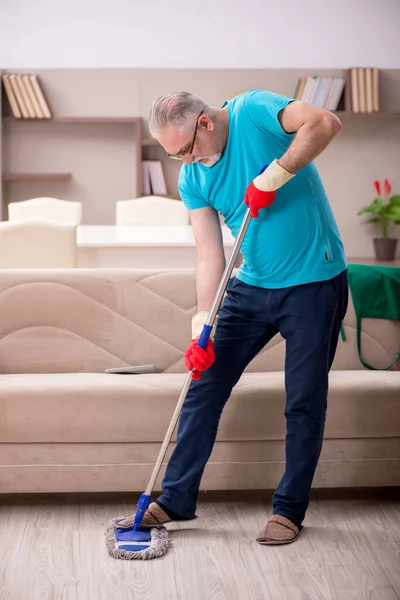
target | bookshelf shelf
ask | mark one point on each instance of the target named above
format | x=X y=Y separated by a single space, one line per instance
x=36 y=176
x=381 y=114
x=77 y=119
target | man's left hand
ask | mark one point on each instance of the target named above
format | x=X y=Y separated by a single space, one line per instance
x=257 y=199
x=261 y=191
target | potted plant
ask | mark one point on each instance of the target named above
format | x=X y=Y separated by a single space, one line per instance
x=384 y=209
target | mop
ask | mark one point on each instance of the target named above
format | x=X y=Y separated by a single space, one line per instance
x=140 y=543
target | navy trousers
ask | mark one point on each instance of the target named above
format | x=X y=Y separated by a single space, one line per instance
x=309 y=318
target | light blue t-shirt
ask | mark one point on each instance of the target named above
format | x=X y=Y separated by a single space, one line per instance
x=295 y=240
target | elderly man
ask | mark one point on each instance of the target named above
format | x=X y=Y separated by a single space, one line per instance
x=293 y=280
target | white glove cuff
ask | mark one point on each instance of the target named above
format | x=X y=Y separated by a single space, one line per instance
x=198 y=320
x=272 y=178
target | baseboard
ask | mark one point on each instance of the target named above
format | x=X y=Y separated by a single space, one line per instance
x=57 y=478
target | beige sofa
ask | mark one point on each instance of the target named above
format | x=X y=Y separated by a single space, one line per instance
x=66 y=426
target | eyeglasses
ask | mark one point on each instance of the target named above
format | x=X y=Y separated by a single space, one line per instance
x=188 y=154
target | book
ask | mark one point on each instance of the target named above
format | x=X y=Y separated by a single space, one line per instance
x=32 y=97
x=309 y=89
x=25 y=95
x=12 y=100
x=44 y=107
x=368 y=90
x=347 y=92
x=335 y=93
x=316 y=89
x=19 y=97
x=157 y=178
x=300 y=88
x=354 y=90
x=325 y=92
x=146 y=186
x=361 y=90
x=375 y=90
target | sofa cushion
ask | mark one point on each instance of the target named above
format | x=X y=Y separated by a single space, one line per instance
x=85 y=407
x=88 y=320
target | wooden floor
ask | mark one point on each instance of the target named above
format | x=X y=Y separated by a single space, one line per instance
x=53 y=549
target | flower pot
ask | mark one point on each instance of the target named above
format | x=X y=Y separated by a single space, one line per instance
x=385 y=249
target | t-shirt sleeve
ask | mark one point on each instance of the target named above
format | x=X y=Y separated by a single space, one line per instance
x=190 y=196
x=263 y=108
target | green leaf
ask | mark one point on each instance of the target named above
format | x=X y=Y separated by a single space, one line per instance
x=367 y=209
x=372 y=220
x=394 y=201
x=374 y=207
x=392 y=215
x=377 y=206
x=391 y=209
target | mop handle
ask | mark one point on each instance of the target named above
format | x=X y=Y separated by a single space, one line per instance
x=203 y=339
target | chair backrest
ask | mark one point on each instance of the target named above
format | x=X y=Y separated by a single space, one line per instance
x=53 y=209
x=37 y=243
x=151 y=210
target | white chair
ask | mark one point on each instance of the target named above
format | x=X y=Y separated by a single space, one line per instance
x=151 y=210
x=52 y=209
x=37 y=243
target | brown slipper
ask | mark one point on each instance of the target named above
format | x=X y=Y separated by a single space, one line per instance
x=153 y=517
x=279 y=530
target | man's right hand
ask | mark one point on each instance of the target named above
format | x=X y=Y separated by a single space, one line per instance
x=198 y=359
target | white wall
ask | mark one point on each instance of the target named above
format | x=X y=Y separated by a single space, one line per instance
x=210 y=33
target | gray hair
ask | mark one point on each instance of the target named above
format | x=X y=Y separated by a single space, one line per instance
x=179 y=109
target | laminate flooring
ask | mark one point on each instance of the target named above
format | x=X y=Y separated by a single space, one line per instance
x=53 y=548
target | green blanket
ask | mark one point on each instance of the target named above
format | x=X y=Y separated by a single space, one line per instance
x=375 y=291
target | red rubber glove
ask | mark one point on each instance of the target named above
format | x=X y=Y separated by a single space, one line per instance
x=199 y=359
x=257 y=199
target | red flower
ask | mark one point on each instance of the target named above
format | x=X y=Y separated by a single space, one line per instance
x=377 y=185
x=387 y=188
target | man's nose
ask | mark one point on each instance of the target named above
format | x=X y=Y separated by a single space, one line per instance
x=188 y=160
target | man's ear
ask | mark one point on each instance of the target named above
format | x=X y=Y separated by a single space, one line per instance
x=206 y=123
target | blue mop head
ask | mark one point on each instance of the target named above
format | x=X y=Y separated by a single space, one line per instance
x=135 y=543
